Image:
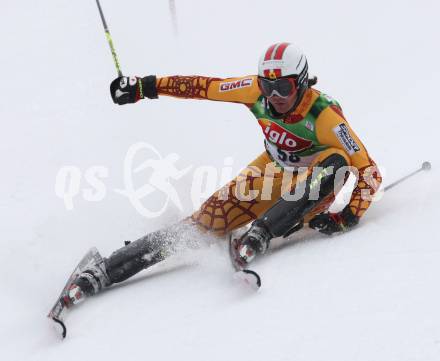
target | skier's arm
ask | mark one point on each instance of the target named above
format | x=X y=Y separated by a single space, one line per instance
x=243 y=90
x=236 y=90
x=334 y=130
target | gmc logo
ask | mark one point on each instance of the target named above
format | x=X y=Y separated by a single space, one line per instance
x=237 y=84
x=282 y=138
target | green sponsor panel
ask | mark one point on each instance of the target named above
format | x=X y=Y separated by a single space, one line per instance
x=306 y=128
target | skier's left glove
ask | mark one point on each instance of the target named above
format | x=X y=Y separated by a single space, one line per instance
x=125 y=90
x=329 y=223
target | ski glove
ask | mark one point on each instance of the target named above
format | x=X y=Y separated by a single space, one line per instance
x=329 y=223
x=126 y=89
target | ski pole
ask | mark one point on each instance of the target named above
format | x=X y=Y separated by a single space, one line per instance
x=425 y=166
x=172 y=6
x=109 y=39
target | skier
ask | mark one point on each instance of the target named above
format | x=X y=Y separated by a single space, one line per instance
x=304 y=129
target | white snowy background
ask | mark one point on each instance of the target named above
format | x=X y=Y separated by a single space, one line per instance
x=370 y=294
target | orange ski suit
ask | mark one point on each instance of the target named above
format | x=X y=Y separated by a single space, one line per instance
x=312 y=132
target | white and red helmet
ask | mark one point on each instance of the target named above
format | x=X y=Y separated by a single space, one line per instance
x=284 y=60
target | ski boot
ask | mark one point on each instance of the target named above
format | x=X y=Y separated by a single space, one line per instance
x=122 y=264
x=89 y=282
x=254 y=241
x=286 y=217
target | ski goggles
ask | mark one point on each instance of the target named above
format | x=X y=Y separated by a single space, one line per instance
x=282 y=87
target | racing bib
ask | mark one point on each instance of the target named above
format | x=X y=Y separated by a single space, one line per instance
x=288 y=159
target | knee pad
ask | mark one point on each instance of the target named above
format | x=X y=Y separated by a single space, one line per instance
x=286 y=215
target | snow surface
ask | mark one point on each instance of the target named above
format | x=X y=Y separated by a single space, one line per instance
x=371 y=294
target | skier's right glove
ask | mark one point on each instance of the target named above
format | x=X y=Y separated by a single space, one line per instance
x=329 y=223
x=126 y=89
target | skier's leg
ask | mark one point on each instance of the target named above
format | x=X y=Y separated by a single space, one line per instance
x=219 y=214
x=133 y=258
x=286 y=216
x=225 y=210
x=285 y=213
